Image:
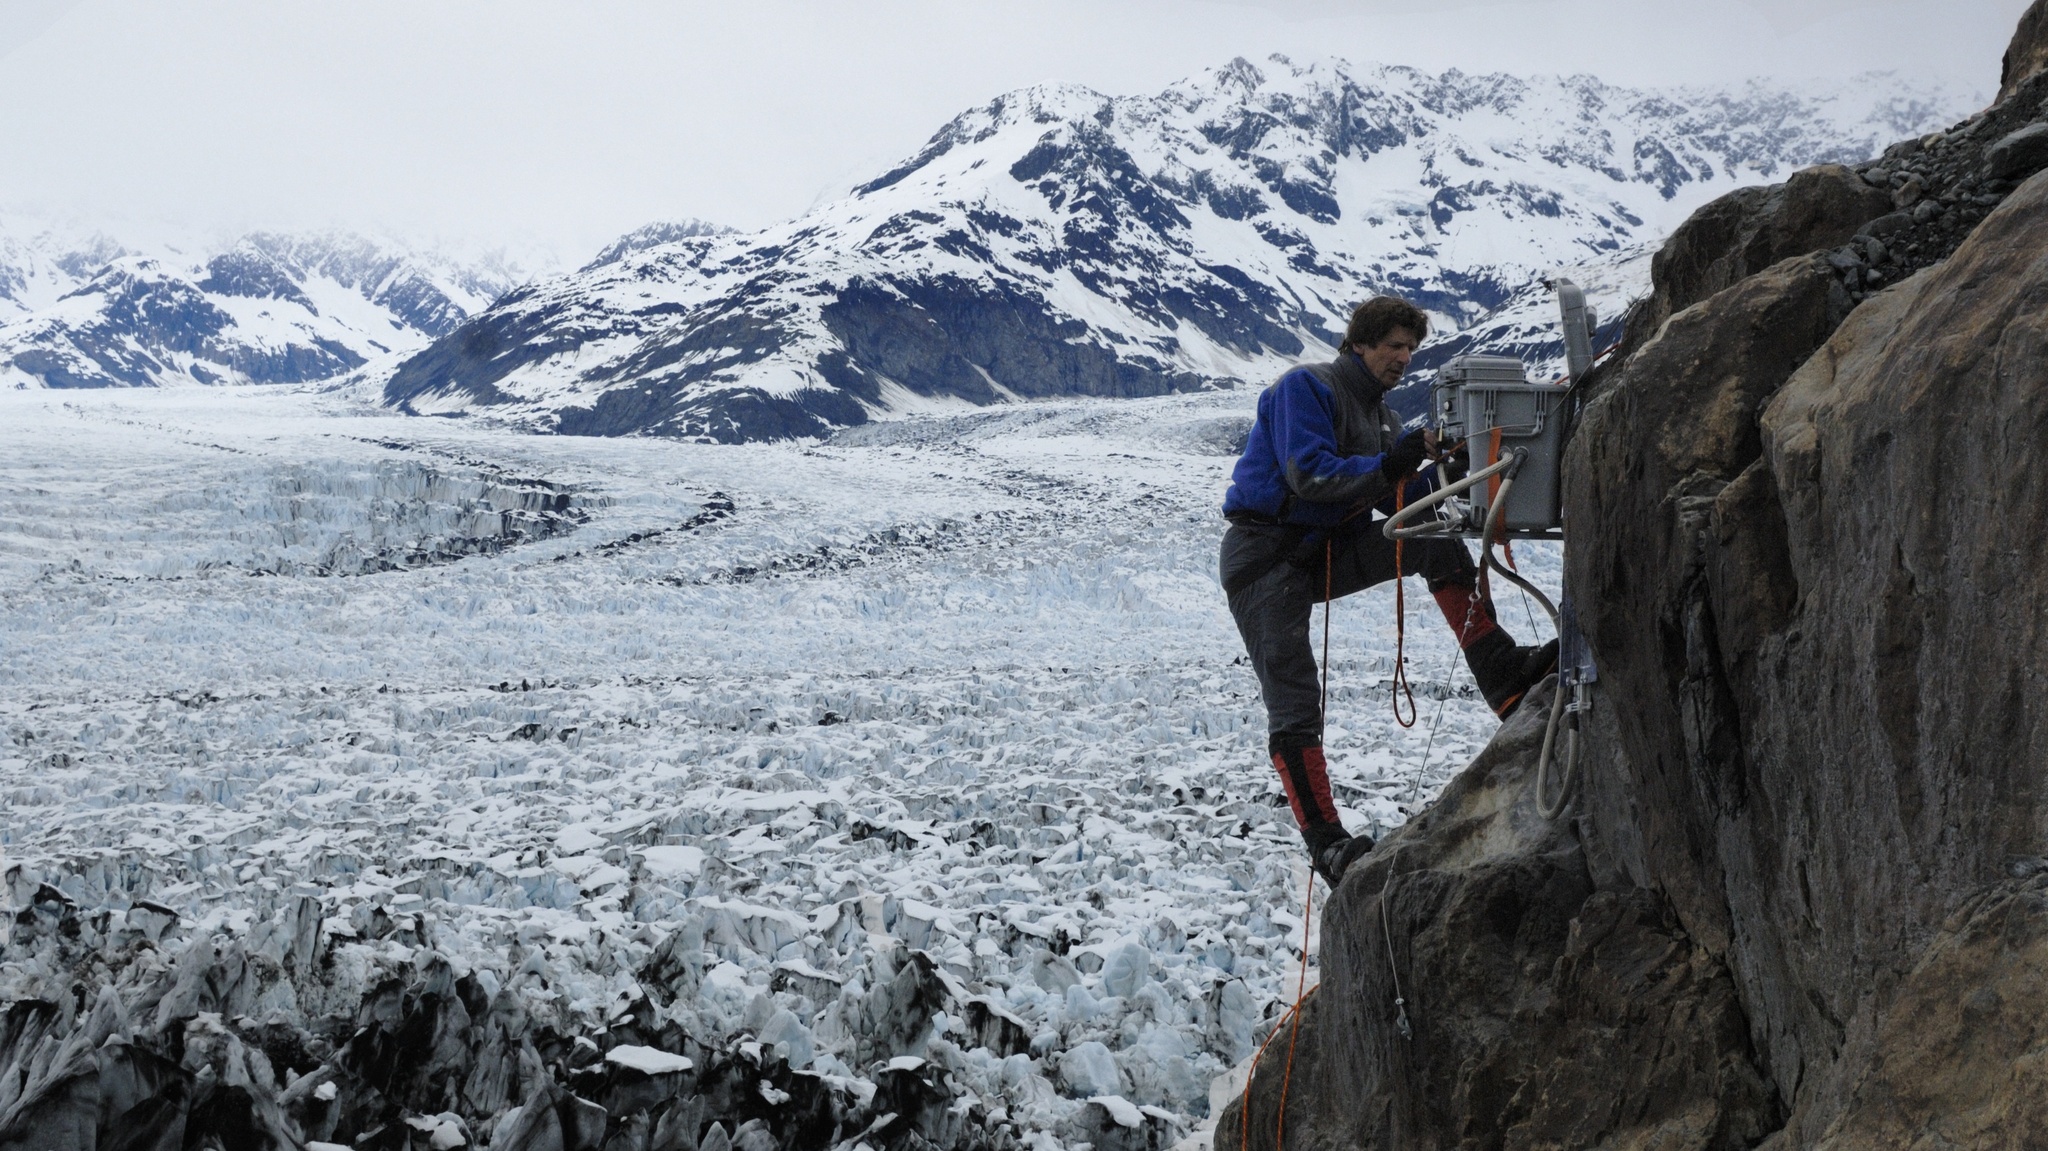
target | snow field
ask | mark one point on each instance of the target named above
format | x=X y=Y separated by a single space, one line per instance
x=791 y=715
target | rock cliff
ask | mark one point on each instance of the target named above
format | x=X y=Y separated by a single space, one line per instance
x=1800 y=900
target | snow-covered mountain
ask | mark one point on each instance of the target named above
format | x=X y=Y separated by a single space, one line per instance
x=655 y=234
x=92 y=312
x=1061 y=242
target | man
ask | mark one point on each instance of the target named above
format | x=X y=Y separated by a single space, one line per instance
x=1325 y=452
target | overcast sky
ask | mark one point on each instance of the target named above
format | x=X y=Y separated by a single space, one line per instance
x=559 y=125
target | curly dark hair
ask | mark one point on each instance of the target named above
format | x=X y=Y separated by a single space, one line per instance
x=1377 y=317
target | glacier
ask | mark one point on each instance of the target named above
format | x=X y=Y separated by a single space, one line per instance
x=921 y=762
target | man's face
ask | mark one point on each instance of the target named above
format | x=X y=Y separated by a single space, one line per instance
x=1388 y=359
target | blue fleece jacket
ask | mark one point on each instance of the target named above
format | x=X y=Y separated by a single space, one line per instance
x=1314 y=453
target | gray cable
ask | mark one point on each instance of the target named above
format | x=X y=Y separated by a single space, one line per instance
x=1395 y=528
x=1544 y=807
x=1416 y=788
x=1387 y=937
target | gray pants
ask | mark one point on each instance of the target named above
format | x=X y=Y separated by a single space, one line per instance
x=1273 y=580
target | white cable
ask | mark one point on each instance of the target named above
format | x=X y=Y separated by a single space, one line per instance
x=1544 y=807
x=1395 y=527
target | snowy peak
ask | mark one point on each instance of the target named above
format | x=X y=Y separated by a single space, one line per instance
x=270 y=308
x=652 y=235
x=252 y=272
x=1058 y=241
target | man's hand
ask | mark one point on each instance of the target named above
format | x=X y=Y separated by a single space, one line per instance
x=1457 y=462
x=1404 y=457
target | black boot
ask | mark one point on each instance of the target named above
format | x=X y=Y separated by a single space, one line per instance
x=1505 y=672
x=1306 y=778
x=1337 y=857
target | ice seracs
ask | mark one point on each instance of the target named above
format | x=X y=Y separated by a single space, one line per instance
x=969 y=801
x=647 y=1060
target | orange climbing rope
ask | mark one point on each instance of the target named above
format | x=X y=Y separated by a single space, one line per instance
x=1244 y=1107
x=1492 y=495
x=1293 y=1032
x=1401 y=684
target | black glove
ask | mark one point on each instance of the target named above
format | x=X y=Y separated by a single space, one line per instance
x=1404 y=457
x=1457 y=462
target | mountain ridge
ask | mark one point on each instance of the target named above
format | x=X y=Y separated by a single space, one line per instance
x=1052 y=241
x=269 y=307
x=1058 y=241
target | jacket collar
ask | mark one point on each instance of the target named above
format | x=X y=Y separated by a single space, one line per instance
x=1350 y=374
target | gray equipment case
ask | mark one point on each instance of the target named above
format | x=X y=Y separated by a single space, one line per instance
x=1476 y=395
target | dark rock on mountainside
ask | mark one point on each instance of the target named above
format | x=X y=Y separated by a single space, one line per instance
x=151 y=320
x=273 y=309
x=2028 y=52
x=1800 y=902
x=653 y=235
x=1516 y=972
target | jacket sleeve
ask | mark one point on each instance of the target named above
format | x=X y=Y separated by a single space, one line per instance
x=1305 y=439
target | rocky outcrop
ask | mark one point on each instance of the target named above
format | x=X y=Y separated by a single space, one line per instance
x=2028 y=52
x=1480 y=928
x=1897 y=718
x=1879 y=221
x=1750 y=229
x=1800 y=902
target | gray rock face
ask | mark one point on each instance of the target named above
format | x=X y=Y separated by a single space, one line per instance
x=1957 y=1051
x=2028 y=52
x=1906 y=779
x=1543 y=1008
x=2018 y=155
x=1801 y=900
